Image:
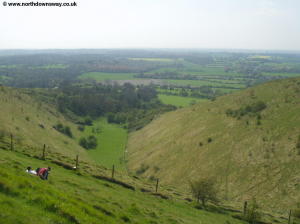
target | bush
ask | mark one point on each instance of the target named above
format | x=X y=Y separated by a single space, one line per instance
x=209 y=140
x=83 y=142
x=81 y=127
x=296 y=213
x=252 y=214
x=92 y=142
x=142 y=169
x=88 y=121
x=66 y=130
x=89 y=142
x=204 y=189
x=253 y=109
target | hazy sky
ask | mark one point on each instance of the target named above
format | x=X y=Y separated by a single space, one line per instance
x=234 y=24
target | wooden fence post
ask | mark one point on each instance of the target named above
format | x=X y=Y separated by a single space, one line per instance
x=44 y=150
x=245 y=207
x=77 y=162
x=156 y=188
x=113 y=172
x=11 y=142
x=290 y=213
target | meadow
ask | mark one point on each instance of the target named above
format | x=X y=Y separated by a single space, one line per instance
x=111 y=140
x=179 y=101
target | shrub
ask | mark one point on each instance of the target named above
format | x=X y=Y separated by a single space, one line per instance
x=81 y=127
x=296 y=213
x=252 y=214
x=204 y=189
x=66 y=130
x=89 y=142
x=209 y=140
x=88 y=121
x=83 y=142
x=142 y=169
x=253 y=109
x=92 y=142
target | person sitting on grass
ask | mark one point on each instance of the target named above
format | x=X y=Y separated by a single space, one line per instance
x=43 y=173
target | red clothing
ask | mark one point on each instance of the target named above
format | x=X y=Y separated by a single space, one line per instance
x=42 y=171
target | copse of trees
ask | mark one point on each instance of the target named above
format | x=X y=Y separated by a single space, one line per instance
x=88 y=143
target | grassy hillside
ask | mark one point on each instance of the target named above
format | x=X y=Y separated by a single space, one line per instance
x=86 y=195
x=31 y=122
x=250 y=154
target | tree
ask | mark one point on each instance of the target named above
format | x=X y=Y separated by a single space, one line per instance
x=204 y=189
x=83 y=142
x=252 y=214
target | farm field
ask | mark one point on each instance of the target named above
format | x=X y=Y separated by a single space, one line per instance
x=179 y=101
x=111 y=140
x=155 y=59
x=102 y=76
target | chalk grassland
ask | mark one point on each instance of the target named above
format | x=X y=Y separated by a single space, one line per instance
x=179 y=101
x=111 y=140
x=31 y=122
x=249 y=155
x=71 y=198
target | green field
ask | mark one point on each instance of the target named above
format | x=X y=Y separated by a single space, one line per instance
x=179 y=101
x=102 y=76
x=203 y=83
x=111 y=140
x=51 y=66
x=155 y=59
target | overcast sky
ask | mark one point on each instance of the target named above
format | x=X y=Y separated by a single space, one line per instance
x=232 y=24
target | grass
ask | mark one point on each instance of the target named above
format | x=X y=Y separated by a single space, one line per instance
x=286 y=75
x=111 y=143
x=248 y=160
x=51 y=66
x=102 y=76
x=31 y=122
x=76 y=197
x=179 y=101
x=204 y=83
x=155 y=59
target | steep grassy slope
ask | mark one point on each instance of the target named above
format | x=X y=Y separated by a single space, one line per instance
x=251 y=155
x=78 y=197
x=86 y=195
x=31 y=122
